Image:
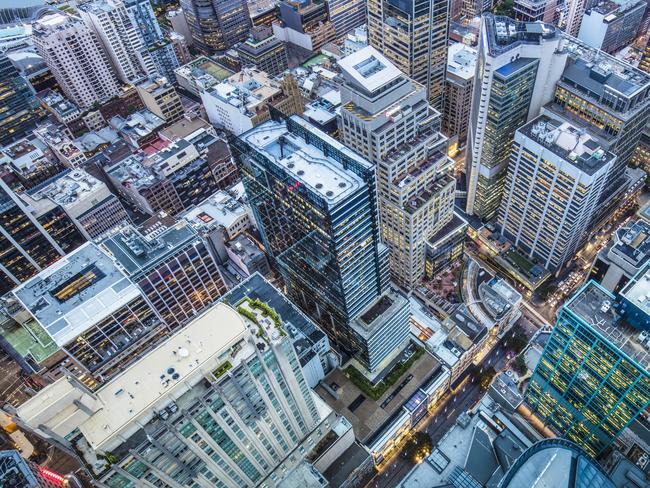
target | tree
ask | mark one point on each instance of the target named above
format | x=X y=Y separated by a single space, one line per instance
x=519 y=365
x=516 y=339
x=418 y=447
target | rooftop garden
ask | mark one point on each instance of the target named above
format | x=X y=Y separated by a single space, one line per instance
x=252 y=308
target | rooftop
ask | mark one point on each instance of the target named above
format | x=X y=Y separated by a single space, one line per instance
x=594 y=305
x=218 y=209
x=461 y=60
x=137 y=125
x=569 y=142
x=155 y=85
x=632 y=243
x=71 y=187
x=504 y=33
x=369 y=69
x=136 y=252
x=305 y=162
x=246 y=90
x=382 y=309
x=121 y=406
x=499 y=297
x=74 y=293
x=58 y=103
x=203 y=72
x=637 y=290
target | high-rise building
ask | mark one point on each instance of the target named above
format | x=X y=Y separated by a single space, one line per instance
x=112 y=24
x=518 y=64
x=610 y=26
x=413 y=35
x=644 y=63
x=146 y=26
x=21 y=109
x=592 y=379
x=160 y=97
x=306 y=23
x=32 y=237
x=18 y=472
x=635 y=303
x=172 y=265
x=216 y=26
x=461 y=66
x=224 y=406
x=556 y=175
x=346 y=15
x=386 y=117
x=535 y=10
x=264 y=51
x=75 y=56
x=315 y=206
x=576 y=10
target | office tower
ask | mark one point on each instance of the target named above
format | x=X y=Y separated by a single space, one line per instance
x=576 y=10
x=306 y=19
x=585 y=92
x=224 y=406
x=86 y=200
x=180 y=46
x=172 y=266
x=346 y=15
x=264 y=51
x=94 y=314
x=592 y=379
x=216 y=26
x=535 y=10
x=146 y=26
x=635 y=303
x=32 y=237
x=112 y=25
x=75 y=56
x=160 y=97
x=461 y=67
x=386 y=117
x=644 y=63
x=179 y=24
x=315 y=206
x=610 y=26
x=558 y=463
x=30 y=162
x=21 y=110
x=555 y=178
x=413 y=36
x=518 y=64
x=243 y=100
x=18 y=472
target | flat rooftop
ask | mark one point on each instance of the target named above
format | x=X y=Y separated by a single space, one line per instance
x=594 y=305
x=307 y=163
x=461 y=60
x=637 y=290
x=503 y=33
x=218 y=209
x=71 y=187
x=74 y=293
x=569 y=142
x=632 y=243
x=382 y=309
x=369 y=69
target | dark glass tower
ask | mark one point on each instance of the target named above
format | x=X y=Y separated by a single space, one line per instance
x=21 y=109
x=315 y=204
x=217 y=26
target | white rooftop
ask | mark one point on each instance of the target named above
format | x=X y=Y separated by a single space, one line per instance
x=369 y=68
x=461 y=60
x=218 y=209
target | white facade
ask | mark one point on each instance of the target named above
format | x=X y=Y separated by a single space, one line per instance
x=75 y=56
x=111 y=22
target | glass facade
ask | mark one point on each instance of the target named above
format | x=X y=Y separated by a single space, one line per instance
x=217 y=26
x=20 y=108
x=231 y=431
x=585 y=387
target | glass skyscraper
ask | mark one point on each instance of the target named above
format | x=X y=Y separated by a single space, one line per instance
x=315 y=204
x=592 y=379
x=20 y=108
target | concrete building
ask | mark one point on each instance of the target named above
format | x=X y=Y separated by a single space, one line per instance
x=200 y=75
x=236 y=392
x=346 y=16
x=535 y=10
x=16 y=471
x=356 y=40
x=610 y=26
x=179 y=24
x=74 y=54
x=305 y=23
x=623 y=257
x=139 y=128
x=247 y=256
x=461 y=66
x=502 y=303
x=216 y=27
x=635 y=303
x=220 y=212
x=592 y=380
x=413 y=36
x=30 y=161
x=160 y=98
x=446 y=246
x=517 y=68
x=86 y=200
x=112 y=25
x=316 y=254
x=242 y=101
x=555 y=179
x=264 y=51
x=171 y=264
x=385 y=116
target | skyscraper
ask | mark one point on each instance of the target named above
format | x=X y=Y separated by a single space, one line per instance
x=224 y=407
x=112 y=24
x=592 y=379
x=461 y=68
x=556 y=175
x=518 y=64
x=413 y=35
x=76 y=58
x=386 y=117
x=146 y=26
x=217 y=26
x=315 y=206
x=21 y=109
x=346 y=15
